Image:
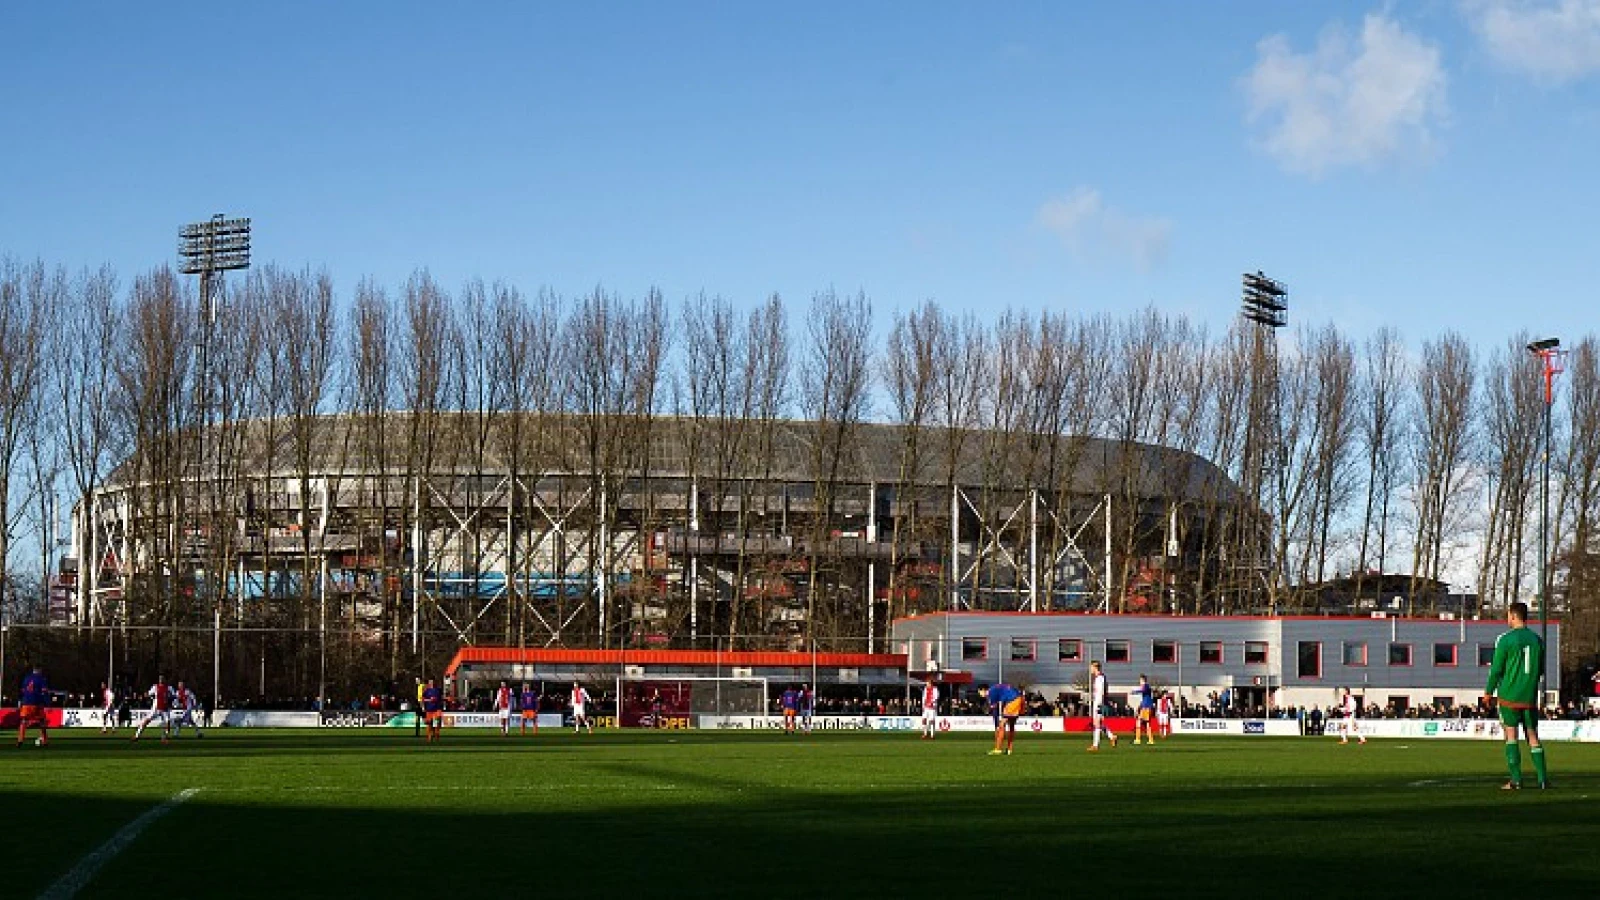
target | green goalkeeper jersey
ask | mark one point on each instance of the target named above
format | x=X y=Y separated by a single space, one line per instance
x=1518 y=662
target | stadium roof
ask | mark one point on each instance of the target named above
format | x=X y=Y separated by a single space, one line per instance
x=466 y=443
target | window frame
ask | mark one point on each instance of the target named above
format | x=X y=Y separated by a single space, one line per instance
x=1455 y=655
x=1222 y=653
x=1485 y=661
x=1366 y=657
x=1299 y=660
x=1411 y=656
x=1164 y=643
x=1077 y=653
x=1266 y=653
x=1031 y=643
x=1127 y=647
x=982 y=642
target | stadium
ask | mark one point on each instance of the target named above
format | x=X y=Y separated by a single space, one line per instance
x=516 y=531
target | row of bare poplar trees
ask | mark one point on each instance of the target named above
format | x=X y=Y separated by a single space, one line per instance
x=1419 y=459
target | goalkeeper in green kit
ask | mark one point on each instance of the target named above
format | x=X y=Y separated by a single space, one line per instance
x=1514 y=682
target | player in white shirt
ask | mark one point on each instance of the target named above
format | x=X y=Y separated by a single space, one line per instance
x=1164 y=715
x=930 y=710
x=184 y=704
x=1347 y=725
x=1097 y=697
x=160 y=709
x=502 y=705
x=108 y=709
x=580 y=700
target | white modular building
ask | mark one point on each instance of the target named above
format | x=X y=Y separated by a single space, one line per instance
x=1263 y=662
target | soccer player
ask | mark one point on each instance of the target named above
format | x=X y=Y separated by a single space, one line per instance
x=529 y=702
x=580 y=701
x=416 y=722
x=808 y=704
x=1143 y=699
x=789 y=701
x=184 y=703
x=1005 y=705
x=1352 y=711
x=1097 y=699
x=432 y=710
x=108 y=709
x=1164 y=715
x=160 y=709
x=658 y=709
x=33 y=701
x=930 y=709
x=1514 y=683
x=502 y=705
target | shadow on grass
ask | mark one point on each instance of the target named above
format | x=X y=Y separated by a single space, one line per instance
x=730 y=841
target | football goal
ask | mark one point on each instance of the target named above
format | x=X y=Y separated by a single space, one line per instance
x=675 y=701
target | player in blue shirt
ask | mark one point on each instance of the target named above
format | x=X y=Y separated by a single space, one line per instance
x=35 y=696
x=432 y=710
x=790 y=702
x=1143 y=701
x=1005 y=704
x=808 y=705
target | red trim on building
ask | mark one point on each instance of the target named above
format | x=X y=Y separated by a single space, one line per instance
x=1472 y=623
x=557 y=655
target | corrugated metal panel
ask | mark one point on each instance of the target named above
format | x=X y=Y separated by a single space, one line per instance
x=559 y=656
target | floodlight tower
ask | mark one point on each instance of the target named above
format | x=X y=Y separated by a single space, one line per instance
x=1265 y=303
x=209 y=249
x=1552 y=363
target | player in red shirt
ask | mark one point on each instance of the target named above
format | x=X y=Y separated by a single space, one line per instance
x=160 y=709
x=1164 y=715
x=580 y=709
x=930 y=709
x=502 y=705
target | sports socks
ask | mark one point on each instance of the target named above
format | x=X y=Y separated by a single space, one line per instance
x=1538 y=762
x=1514 y=762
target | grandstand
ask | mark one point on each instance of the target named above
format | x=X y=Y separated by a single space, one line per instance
x=528 y=530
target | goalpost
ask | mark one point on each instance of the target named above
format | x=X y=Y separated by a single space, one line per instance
x=676 y=700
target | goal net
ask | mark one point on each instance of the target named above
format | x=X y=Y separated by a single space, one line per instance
x=675 y=702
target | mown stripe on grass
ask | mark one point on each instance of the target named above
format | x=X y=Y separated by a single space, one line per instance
x=70 y=884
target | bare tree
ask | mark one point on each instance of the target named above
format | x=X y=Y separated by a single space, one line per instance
x=1443 y=449
x=835 y=379
x=1511 y=446
x=27 y=296
x=1383 y=436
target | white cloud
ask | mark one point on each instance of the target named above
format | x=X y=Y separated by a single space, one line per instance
x=1090 y=228
x=1346 y=103
x=1552 y=40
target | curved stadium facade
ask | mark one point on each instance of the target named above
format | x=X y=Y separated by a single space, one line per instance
x=662 y=531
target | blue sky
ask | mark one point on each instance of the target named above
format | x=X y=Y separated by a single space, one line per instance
x=1423 y=165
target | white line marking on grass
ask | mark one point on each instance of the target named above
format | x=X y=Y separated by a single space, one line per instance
x=74 y=881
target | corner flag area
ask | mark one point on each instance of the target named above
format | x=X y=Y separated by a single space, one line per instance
x=257 y=813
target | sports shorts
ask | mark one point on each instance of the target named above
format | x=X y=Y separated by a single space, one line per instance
x=1528 y=718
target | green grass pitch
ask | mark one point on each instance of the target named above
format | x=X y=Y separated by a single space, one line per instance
x=375 y=813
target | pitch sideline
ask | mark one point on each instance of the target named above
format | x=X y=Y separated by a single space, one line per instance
x=80 y=875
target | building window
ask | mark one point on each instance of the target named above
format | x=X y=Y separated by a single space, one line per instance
x=974 y=649
x=1070 y=650
x=1399 y=654
x=1255 y=653
x=1444 y=703
x=1164 y=651
x=1119 y=651
x=1022 y=649
x=1355 y=654
x=1211 y=652
x=1485 y=655
x=1444 y=655
x=1310 y=659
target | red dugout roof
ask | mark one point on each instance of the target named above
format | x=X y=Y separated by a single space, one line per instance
x=560 y=655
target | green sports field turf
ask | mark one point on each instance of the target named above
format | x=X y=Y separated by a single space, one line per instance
x=375 y=813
